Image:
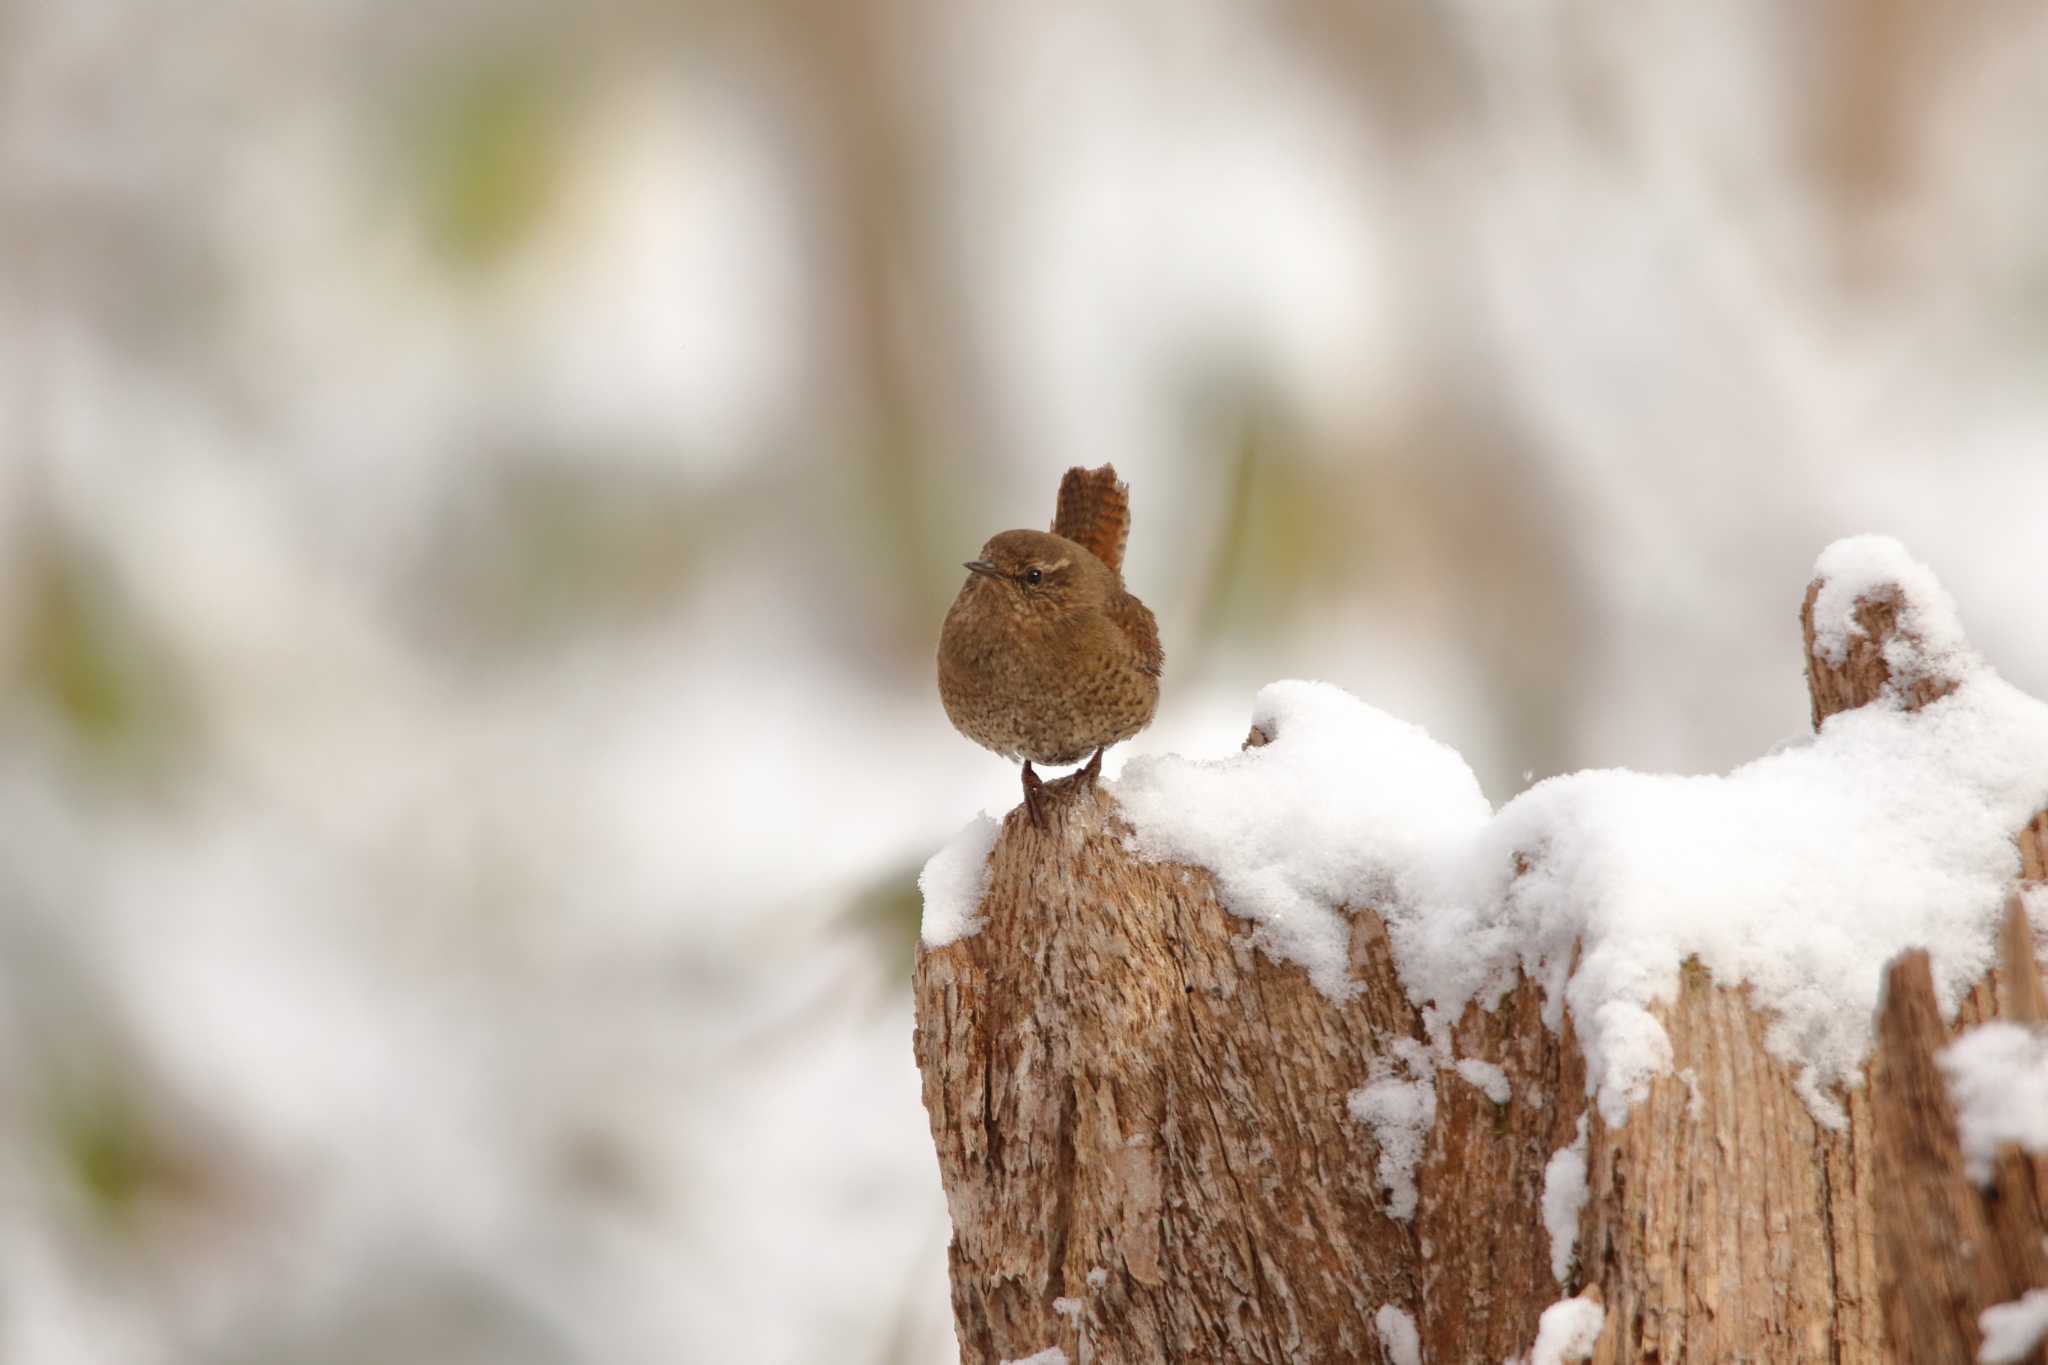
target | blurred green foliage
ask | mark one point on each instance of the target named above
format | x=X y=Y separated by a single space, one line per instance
x=488 y=155
x=103 y=1141
x=889 y=911
x=91 y=659
x=70 y=657
x=1288 y=525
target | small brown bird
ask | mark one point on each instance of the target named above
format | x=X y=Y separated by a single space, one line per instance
x=1044 y=656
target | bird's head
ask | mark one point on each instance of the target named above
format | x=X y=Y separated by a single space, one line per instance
x=1039 y=574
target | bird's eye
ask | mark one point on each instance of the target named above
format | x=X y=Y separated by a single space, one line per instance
x=1032 y=576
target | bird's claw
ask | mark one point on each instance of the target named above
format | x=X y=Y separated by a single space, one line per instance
x=1035 y=800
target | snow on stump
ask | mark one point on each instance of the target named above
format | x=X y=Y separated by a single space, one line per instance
x=1307 y=1054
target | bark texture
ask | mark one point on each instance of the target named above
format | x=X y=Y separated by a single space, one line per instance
x=1143 y=1133
x=1949 y=1249
x=1110 y=1073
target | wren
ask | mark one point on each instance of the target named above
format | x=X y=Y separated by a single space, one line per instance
x=1044 y=656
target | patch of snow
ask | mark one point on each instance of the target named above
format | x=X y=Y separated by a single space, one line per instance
x=1419 y=1057
x=1633 y=1051
x=1299 y=828
x=954 y=882
x=1398 y=1337
x=1401 y=1114
x=1097 y=1278
x=1568 y=1330
x=2013 y=1330
x=1051 y=1355
x=1564 y=1195
x=1998 y=1077
x=1075 y=1311
x=1488 y=1078
x=1931 y=632
x=1695 y=1104
x=1800 y=874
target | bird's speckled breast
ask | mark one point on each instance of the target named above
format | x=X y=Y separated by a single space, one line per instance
x=1051 y=695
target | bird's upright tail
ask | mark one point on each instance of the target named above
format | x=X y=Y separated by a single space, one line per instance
x=1095 y=511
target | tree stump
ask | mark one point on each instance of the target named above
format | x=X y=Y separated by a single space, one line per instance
x=1146 y=1136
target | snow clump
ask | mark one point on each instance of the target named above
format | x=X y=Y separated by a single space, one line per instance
x=1398 y=1337
x=1401 y=1114
x=1346 y=806
x=954 y=881
x=1998 y=1077
x=2013 y=1330
x=1930 y=641
x=1488 y=1077
x=1564 y=1195
x=1568 y=1330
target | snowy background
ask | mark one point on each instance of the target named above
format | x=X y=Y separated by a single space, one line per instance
x=479 y=485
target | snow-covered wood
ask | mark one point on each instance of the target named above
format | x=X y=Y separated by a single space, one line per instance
x=1136 y=1112
x=1159 y=1142
x=1950 y=1248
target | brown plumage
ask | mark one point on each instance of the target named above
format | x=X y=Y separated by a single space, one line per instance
x=1095 y=511
x=1044 y=656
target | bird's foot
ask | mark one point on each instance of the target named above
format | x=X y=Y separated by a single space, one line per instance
x=1035 y=799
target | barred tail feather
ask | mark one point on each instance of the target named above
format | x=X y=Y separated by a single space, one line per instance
x=1095 y=511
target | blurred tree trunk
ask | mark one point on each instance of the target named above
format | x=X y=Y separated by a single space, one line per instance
x=1143 y=1132
x=892 y=343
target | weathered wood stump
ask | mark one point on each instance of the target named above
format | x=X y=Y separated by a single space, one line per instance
x=1143 y=1130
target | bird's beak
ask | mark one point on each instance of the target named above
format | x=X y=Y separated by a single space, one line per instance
x=982 y=566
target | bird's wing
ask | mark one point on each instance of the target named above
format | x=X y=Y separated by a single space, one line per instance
x=1095 y=511
x=1134 y=618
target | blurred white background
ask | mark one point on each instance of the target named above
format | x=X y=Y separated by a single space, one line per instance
x=480 y=483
